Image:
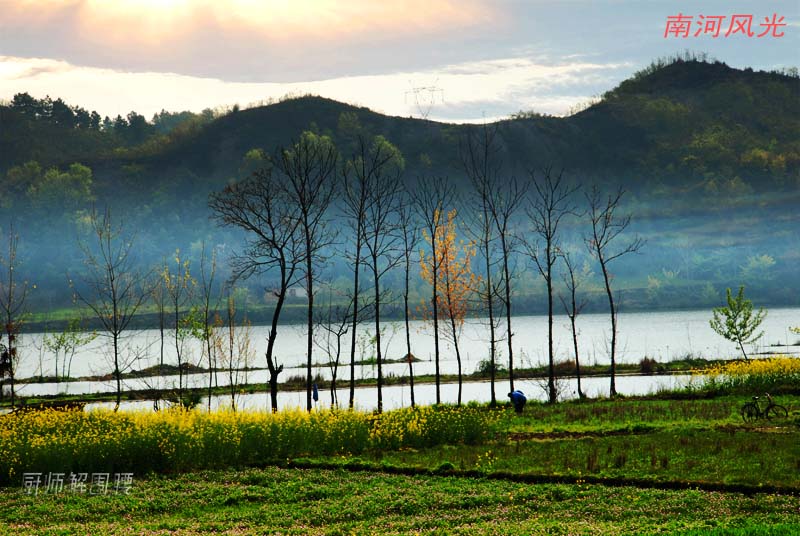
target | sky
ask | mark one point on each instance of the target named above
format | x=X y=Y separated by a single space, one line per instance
x=447 y=60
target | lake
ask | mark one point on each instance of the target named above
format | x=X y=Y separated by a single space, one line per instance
x=661 y=335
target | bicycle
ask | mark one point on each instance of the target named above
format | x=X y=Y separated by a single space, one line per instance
x=752 y=410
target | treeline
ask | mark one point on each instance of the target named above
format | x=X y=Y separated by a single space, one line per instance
x=124 y=131
x=133 y=128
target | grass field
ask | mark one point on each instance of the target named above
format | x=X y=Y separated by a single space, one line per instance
x=628 y=466
x=297 y=501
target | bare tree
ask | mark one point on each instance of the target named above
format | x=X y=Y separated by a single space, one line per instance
x=479 y=157
x=607 y=226
x=504 y=203
x=431 y=199
x=549 y=204
x=113 y=289
x=180 y=285
x=573 y=307
x=274 y=244
x=232 y=345
x=208 y=269
x=309 y=169
x=381 y=226
x=357 y=174
x=335 y=323
x=158 y=292
x=409 y=232
x=13 y=296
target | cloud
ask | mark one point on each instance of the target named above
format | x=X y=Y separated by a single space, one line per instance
x=240 y=40
x=470 y=91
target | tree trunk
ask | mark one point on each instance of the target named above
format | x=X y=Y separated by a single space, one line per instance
x=436 y=324
x=581 y=396
x=458 y=356
x=310 y=322
x=551 y=381
x=490 y=305
x=408 y=341
x=117 y=375
x=378 y=356
x=506 y=275
x=273 y=367
x=613 y=389
x=355 y=322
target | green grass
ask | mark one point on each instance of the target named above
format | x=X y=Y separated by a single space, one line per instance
x=295 y=501
x=746 y=457
x=608 y=415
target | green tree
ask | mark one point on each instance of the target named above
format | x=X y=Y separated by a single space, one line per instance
x=64 y=345
x=758 y=268
x=59 y=191
x=736 y=321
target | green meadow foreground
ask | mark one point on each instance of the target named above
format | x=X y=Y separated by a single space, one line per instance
x=677 y=463
x=314 y=501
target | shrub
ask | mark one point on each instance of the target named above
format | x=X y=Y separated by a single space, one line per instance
x=648 y=365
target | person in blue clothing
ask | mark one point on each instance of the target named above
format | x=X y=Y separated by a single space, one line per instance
x=518 y=399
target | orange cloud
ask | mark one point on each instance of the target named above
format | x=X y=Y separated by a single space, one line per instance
x=155 y=22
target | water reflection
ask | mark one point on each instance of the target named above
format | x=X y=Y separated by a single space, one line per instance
x=399 y=396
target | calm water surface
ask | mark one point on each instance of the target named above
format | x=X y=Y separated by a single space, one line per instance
x=661 y=335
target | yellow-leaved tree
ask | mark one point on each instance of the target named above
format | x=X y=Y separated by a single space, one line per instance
x=451 y=258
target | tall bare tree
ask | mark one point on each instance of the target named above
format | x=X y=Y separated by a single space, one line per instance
x=112 y=288
x=504 y=203
x=409 y=233
x=180 y=286
x=13 y=297
x=432 y=197
x=550 y=202
x=573 y=307
x=357 y=174
x=607 y=229
x=159 y=297
x=481 y=161
x=274 y=245
x=381 y=226
x=309 y=170
x=208 y=269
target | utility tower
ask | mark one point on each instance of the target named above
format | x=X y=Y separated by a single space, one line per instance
x=424 y=98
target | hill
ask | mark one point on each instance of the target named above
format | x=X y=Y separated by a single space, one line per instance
x=711 y=155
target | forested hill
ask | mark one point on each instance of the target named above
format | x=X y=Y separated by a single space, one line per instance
x=711 y=155
x=680 y=123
